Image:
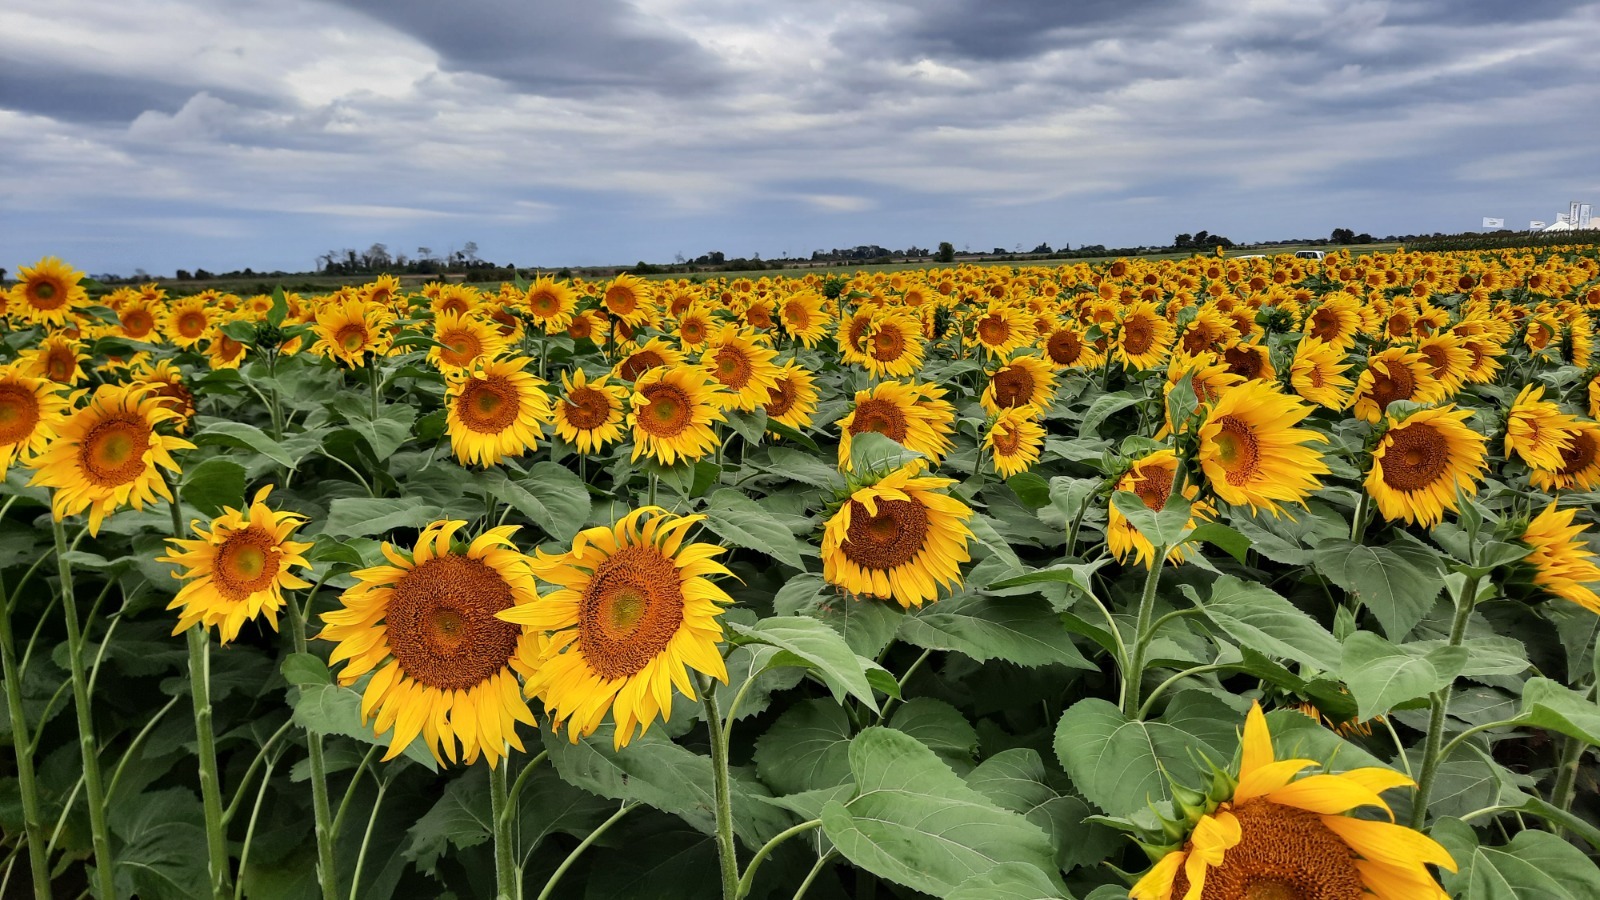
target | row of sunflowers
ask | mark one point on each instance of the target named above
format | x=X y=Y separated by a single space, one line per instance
x=1206 y=578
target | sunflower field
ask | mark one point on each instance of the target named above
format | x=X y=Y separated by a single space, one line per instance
x=1201 y=579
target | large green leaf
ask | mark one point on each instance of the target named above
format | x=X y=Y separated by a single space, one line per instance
x=916 y=823
x=1382 y=676
x=1020 y=630
x=1552 y=706
x=806 y=749
x=1398 y=581
x=744 y=523
x=805 y=468
x=362 y=516
x=239 y=434
x=1112 y=760
x=1257 y=617
x=384 y=433
x=940 y=726
x=331 y=709
x=1536 y=865
x=1008 y=881
x=818 y=647
x=214 y=484
x=550 y=495
x=1017 y=780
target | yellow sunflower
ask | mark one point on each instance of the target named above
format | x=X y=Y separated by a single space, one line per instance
x=1280 y=836
x=446 y=664
x=1250 y=360
x=1580 y=462
x=239 y=569
x=803 y=316
x=1537 y=430
x=1251 y=452
x=1014 y=440
x=635 y=610
x=1067 y=348
x=47 y=293
x=793 y=398
x=348 y=330
x=1449 y=359
x=1336 y=321
x=695 y=326
x=551 y=304
x=627 y=298
x=170 y=388
x=1560 y=558
x=495 y=410
x=1398 y=373
x=589 y=413
x=31 y=409
x=224 y=352
x=137 y=320
x=58 y=358
x=106 y=453
x=900 y=539
x=1024 y=381
x=1002 y=328
x=901 y=412
x=893 y=345
x=1150 y=477
x=188 y=321
x=1317 y=374
x=743 y=363
x=463 y=341
x=654 y=354
x=672 y=413
x=1420 y=464
x=1210 y=330
x=1143 y=336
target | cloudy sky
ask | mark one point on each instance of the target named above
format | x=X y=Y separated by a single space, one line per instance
x=164 y=134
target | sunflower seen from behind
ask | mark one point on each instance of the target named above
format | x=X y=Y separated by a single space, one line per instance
x=900 y=538
x=588 y=414
x=1251 y=452
x=635 y=610
x=237 y=570
x=1422 y=462
x=495 y=410
x=426 y=626
x=31 y=409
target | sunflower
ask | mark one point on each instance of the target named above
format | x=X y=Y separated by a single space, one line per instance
x=551 y=303
x=1068 y=348
x=1150 y=477
x=627 y=298
x=905 y=413
x=852 y=336
x=47 y=293
x=1015 y=439
x=656 y=353
x=1251 y=452
x=495 y=410
x=672 y=411
x=1279 y=836
x=893 y=345
x=1560 y=558
x=170 y=388
x=1210 y=330
x=1594 y=397
x=743 y=363
x=585 y=325
x=239 y=569
x=137 y=319
x=106 y=453
x=188 y=321
x=1537 y=430
x=348 y=330
x=462 y=341
x=1024 y=381
x=899 y=539
x=793 y=398
x=452 y=664
x=224 y=352
x=803 y=317
x=1449 y=359
x=589 y=414
x=1398 y=373
x=1250 y=360
x=58 y=358
x=695 y=326
x=1208 y=377
x=1143 y=336
x=31 y=409
x=635 y=610
x=384 y=289
x=1422 y=462
x=1002 y=328
x=1336 y=321
x=1317 y=374
x=758 y=313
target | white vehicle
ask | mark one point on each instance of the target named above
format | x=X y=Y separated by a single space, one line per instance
x=1308 y=254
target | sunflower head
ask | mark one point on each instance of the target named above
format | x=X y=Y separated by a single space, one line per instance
x=1015 y=439
x=1537 y=431
x=463 y=340
x=1422 y=463
x=1150 y=478
x=349 y=330
x=495 y=410
x=31 y=408
x=47 y=292
x=899 y=538
x=1559 y=559
x=1024 y=381
x=1252 y=453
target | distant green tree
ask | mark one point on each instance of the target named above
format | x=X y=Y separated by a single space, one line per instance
x=947 y=252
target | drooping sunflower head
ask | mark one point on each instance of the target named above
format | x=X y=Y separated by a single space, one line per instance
x=1014 y=440
x=238 y=569
x=1562 y=564
x=47 y=292
x=1024 y=381
x=742 y=362
x=31 y=408
x=1420 y=463
x=106 y=453
x=589 y=414
x=462 y=341
x=446 y=663
x=1398 y=373
x=1280 y=836
x=793 y=397
x=634 y=611
x=672 y=411
x=900 y=539
x=349 y=330
x=495 y=410
x=551 y=303
x=1317 y=374
x=655 y=353
x=1537 y=430
x=1252 y=453
x=1150 y=479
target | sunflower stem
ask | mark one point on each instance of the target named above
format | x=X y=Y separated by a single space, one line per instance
x=1567 y=773
x=87 y=746
x=210 y=790
x=1133 y=676
x=366 y=838
x=32 y=824
x=375 y=379
x=749 y=879
x=507 y=884
x=726 y=854
x=327 y=873
x=586 y=843
x=1431 y=757
x=1358 y=524
x=811 y=876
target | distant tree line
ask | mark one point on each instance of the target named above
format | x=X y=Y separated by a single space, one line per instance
x=377 y=260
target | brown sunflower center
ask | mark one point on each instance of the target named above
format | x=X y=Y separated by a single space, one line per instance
x=891 y=538
x=112 y=453
x=46 y=295
x=19 y=414
x=781 y=398
x=351 y=337
x=882 y=416
x=441 y=623
x=1198 y=339
x=137 y=323
x=758 y=316
x=227 y=347
x=1244 y=362
x=246 y=562
x=693 y=331
x=795 y=313
x=1154 y=486
x=668 y=410
x=1577 y=456
x=1436 y=358
x=192 y=324
x=733 y=368
x=581 y=327
x=544 y=304
x=459 y=348
x=639 y=363
x=1064 y=347
x=1238 y=449
x=587 y=408
x=1399 y=384
x=457 y=305
x=1138 y=333
x=1013 y=386
x=993 y=330
x=621 y=300
x=488 y=405
x=630 y=611
x=60 y=364
x=1325 y=325
x=888 y=344
x=1284 y=853
x=1007 y=440
x=1416 y=458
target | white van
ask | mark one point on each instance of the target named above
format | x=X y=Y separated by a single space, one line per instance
x=1308 y=254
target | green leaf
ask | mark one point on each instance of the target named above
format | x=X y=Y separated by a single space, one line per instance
x=301 y=669
x=1223 y=538
x=1382 y=676
x=1536 y=865
x=1397 y=581
x=914 y=822
x=1017 y=780
x=806 y=749
x=1031 y=489
x=804 y=468
x=941 y=727
x=1021 y=630
x=743 y=522
x=1165 y=527
x=873 y=452
x=749 y=425
x=386 y=433
x=331 y=709
x=214 y=484
x=1077 y=575
x=1113 y=761
x=763 y=665
x=549 y=495
x=866 y=623
x=240 y=330
x=360 y=516
x=239 y=434
x=1552 y=706
x=818 y=647
x=1103 y=407
x=1258 y=618
x=1008 y=881
x=460 y=819
x=279 y=309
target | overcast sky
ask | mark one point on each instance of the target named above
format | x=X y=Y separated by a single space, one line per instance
x=169 y=134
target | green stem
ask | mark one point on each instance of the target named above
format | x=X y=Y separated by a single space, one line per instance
x=87 y=746
x=749 y=879
x=327 y=873
x=1150 y=699
x=1567 y=773
x=811 y=876
x=249 y=773
x=1077 y=523
x=250 y=829
x=33 y=826
x=350 y=789
x=366 y=838
x=515 y=795
x=1133 y=675
x=375 y=379
x=555 y=877
x=210 y=787
x=1431 y=757
x=507 y=886
x=726 y=855
x=1358 y=524
x=888 y=705
x=138 y=741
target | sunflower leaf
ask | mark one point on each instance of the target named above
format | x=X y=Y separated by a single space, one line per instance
x=1258 y=618
x=741 y=521
x=1024 y=631
x=1550 y=705
x=1382 y=676
x=214 y=484
x=1536 y=864
x=1398 y=581
x=819 y=648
